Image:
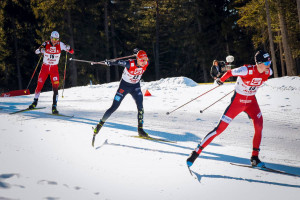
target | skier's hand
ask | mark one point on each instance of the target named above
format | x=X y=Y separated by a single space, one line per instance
x=219 y=81
x=135 y=51
x=68 y=47
x=42 y=50
x=71 y=51
x=107 y=62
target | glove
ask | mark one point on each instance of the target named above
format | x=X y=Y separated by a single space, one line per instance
x=219 y=81
x=68 y=47
x=135 y=51
x=42 y=50
x=107 y=62
x=71 y=51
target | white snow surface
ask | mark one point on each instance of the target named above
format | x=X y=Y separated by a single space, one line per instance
x=51 y=157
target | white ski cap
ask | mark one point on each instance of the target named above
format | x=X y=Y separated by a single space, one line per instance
x=54 y=34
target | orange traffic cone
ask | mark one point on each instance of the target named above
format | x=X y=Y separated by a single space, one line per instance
x=147 y=93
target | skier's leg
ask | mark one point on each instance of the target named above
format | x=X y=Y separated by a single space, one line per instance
x=138 y=97
x=54 y=76
x=115 y=105
x=230 y=113
x=255 y=114
x=120 y=94
x=40 y=83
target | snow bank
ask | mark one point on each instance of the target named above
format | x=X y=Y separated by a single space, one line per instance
x=284 y=83
x=170 y=83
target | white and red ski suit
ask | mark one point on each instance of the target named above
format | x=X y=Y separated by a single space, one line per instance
x=243 y=100
x=50 y=66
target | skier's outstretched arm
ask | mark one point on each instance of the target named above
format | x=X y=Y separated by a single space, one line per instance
x=123 y=63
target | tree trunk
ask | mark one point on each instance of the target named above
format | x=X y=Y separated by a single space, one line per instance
x=204 y=69
x=271 y=40
x=73 y=64
x=107 y=39
x=201 y=50
x=17 y=59
x=281 y=57
x=290 y=66
x=298 y=8
x=113 y=33
x=227 y=44
x=157 y=73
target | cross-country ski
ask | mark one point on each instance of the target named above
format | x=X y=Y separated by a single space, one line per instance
x=266 y=169
x=26 y=109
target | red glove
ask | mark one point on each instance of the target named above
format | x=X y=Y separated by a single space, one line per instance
x=71 y=51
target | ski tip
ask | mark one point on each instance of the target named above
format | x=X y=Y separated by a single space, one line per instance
x=201 y=111
x=167 y=113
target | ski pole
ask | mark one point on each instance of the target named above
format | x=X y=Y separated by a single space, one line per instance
x=64 y=75
x=101 y=62
x=77 y=60
x=201 y=111
x=114 y=59
x=192 y=100
x=34 y=72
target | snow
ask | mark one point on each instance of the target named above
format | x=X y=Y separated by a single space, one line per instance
x=50 y=157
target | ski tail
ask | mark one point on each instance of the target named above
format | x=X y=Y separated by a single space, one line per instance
x=153 y=139
x=27 y=109
x=62 y=115
x=267 y=169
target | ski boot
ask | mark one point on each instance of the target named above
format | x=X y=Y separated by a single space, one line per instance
x=96 y=131
x=54 y=110
x=191 y=159
x=98 y=127
x=142 y=133
x=255 y=162
x=34 y=104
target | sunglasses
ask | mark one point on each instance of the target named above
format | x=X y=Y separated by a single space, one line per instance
x=267 y=63
x=55 y=39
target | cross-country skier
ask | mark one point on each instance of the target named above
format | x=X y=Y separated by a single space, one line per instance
x=250 y=78
x=51 y=50
x=130 y=83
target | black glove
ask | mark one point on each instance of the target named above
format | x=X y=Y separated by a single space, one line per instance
x=135 y=51
x=107 y=62
x=219 y=81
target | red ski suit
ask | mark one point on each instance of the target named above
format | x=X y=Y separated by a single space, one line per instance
x=243 y=100
x=50 y=66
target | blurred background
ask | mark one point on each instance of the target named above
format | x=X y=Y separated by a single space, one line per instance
x=181 y=37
